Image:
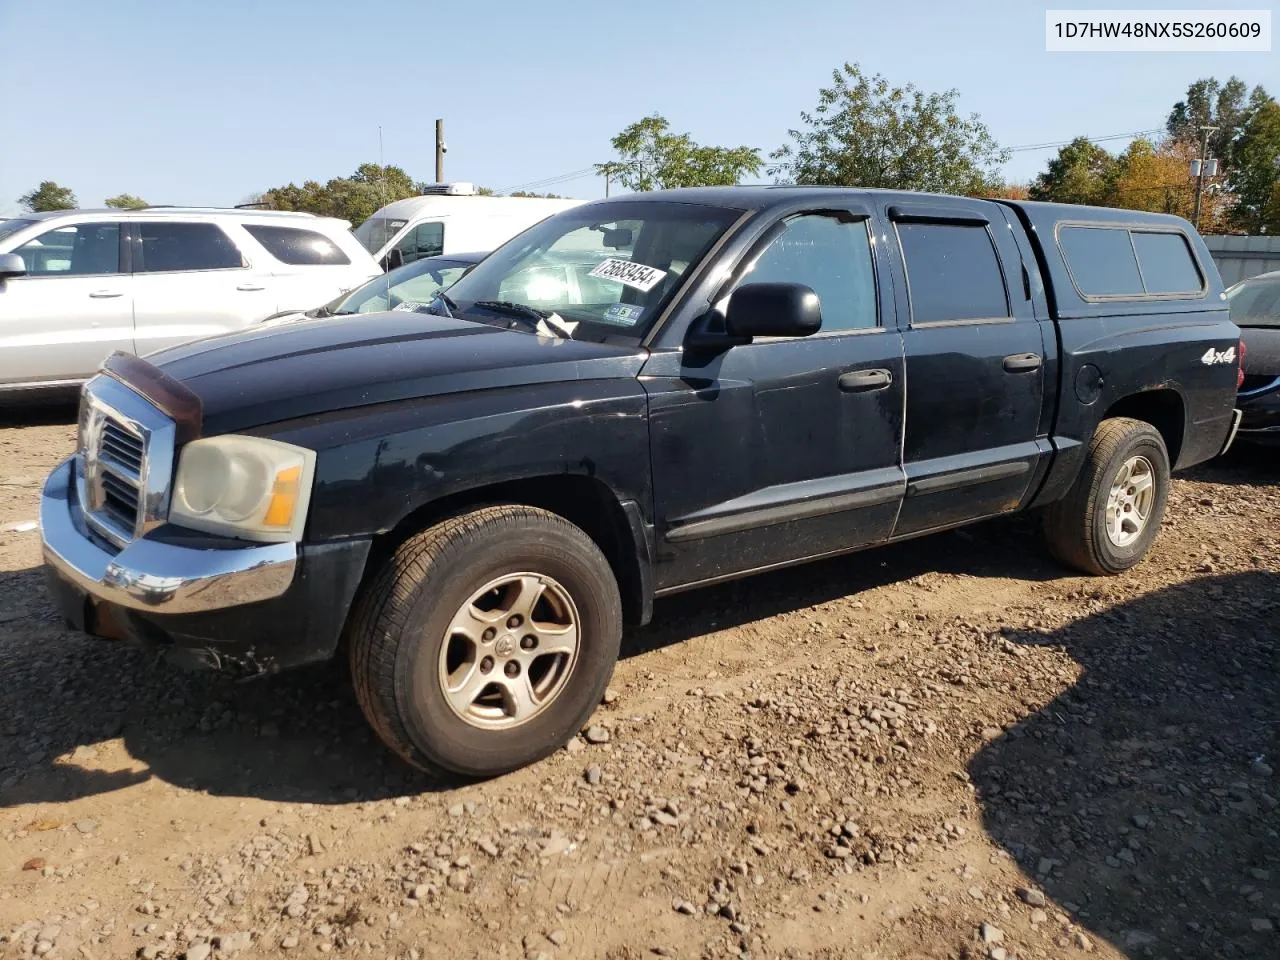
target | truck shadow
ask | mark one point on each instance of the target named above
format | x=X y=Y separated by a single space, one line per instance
x=300 y=736
x=1143 y=800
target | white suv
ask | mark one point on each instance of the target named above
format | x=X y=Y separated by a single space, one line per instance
x=77 y=285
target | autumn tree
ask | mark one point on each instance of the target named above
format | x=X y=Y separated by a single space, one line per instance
x=865 y=133
x=126 y=201
x=1153 y=178
x=650 y=157
x=48 y=196
x=1009 y=191
x=1082 y=172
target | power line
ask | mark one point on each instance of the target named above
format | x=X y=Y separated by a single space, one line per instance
x=551 y=181
x=1063 y=143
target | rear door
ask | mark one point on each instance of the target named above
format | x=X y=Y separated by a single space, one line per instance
x=73 y=308
x=309 y=269
x=975 y=364
x=192 y=281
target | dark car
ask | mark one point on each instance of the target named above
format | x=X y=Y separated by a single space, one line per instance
x=635 y=397
x=1255 y=308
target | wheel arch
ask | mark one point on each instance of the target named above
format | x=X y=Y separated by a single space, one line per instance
x=1164 y=408
x=615 y=525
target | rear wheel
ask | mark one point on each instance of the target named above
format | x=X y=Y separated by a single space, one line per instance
x=1110 y=517
x=486 y=641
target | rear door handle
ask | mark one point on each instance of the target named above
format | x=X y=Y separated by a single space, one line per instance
x=105 y=294
x=864 y=381
x=1022 y=362
x=250 y=287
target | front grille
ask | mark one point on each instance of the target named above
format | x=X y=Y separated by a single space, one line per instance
x=126 y=461
x=122 y=447
x=120 y=501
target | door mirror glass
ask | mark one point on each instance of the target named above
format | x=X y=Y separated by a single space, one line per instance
x=11 y=265
x=773 y=310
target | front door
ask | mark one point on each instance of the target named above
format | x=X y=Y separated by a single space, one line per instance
x=975 y=366
x=781 y=450
x=72 y=309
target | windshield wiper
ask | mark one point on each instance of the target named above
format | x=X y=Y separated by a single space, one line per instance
x=525 y=312
x=513 y=309
x=444 y=298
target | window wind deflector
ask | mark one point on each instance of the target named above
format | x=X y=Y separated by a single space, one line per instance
x=930 y=213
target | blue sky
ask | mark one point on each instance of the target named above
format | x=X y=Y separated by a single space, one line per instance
x=204 y=103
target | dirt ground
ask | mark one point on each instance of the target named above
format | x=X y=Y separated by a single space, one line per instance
x=947 y=748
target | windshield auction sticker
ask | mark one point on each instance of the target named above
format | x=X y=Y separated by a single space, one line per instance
x=632 y=274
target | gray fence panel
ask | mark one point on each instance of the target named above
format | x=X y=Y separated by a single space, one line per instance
x=1239 y=258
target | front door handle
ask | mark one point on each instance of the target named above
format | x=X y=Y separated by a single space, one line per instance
x=105 y=294
x=250 y=287
x=864 y=381
x=1022 y=362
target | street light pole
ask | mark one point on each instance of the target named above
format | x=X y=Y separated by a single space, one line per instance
x=440 y=149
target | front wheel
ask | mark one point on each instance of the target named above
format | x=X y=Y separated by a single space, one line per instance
x=486 y=641
x=1110 y=517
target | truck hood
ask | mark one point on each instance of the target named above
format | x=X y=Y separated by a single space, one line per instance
x=266 y=375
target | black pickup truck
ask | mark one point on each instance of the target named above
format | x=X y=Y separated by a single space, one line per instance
x=635 y=397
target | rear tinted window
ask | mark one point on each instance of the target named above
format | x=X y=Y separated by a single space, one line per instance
x=952 y=273
x=1118 y=262
x=296 y=246
x=185 y=246
x=1167 y=264
x=1101 y=261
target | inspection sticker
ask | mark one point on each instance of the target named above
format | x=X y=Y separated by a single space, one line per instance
x=623 y=314
x=632 y=274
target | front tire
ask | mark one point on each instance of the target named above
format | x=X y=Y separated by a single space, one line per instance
x=486 y=641
x=1110 y=517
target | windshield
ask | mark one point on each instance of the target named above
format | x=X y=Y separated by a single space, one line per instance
x=1256 y=302
x=8 y=227
x=374 y=233
x=409 y=287
x=602 y=272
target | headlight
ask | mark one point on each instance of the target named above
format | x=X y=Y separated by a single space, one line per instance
x=246 y=487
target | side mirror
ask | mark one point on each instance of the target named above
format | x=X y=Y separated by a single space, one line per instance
x=11 y=265
x=773 y=310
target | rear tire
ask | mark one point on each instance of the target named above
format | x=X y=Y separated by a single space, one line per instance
x=486 y=641
x=1111 y=515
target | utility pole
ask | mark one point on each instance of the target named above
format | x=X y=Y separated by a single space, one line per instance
x=1202 y=168
x=440 y=151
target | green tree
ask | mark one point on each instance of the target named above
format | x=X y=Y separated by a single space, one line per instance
x=863 y=132
x=1255 y=176
x=48 y=196
x=354 y=198
x=126 y=201
x=1082 y=172
x=542 y=196
x=650 y=157
x=1226 y=106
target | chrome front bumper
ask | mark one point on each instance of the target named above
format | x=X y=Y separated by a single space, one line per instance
x=153 y=576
